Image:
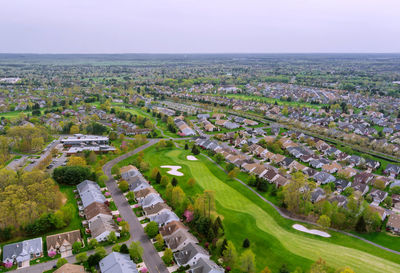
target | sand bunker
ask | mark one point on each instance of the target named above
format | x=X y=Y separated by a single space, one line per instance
x=174 y=170
x=190 y=157
x=311 y=231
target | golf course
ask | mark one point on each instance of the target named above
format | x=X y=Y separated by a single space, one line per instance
x=273 y=239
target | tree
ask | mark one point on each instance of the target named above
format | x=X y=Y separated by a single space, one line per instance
x=195 y=150
x=94 y=260
x=92 y=157
x=61 y=262
x=246 y=243
x=151 y=229
x=266 y=270
x=124 y=249
x=324 y=221
x=101 y=251
x=136 y=251
x=230 y=167
x=144 y=166
x=112 y=237
x=360 y=225
x=346 y=270
x=247 y=261
x=167 y=258
x=191 y=182
x=116 y=248
x=72 y=175
x=81 y=257
x=219 y=158
x=284 y=269
x=76 y=246
x=158 y=178
x=123 y=186
x=319 y=266
x=154 y=172
x=76 y=161
x=229 y=255
x=74 y=129
x=186 y=146
x=174 y=182
x=159 y=241
x=164 y=181
x=130 y=196
x=232 y=174
x=93 y=243
x=388 y=202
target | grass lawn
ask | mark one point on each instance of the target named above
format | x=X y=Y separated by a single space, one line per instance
x=272 y=238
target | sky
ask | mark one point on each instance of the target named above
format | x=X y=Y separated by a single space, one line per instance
x=199 y=26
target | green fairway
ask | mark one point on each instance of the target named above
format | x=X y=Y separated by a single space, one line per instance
x=273 y=239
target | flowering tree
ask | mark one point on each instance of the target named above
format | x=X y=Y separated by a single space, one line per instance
x=119 y=219
x=8 y=264
x=144 y=270
x=52 y=253
x=188 y=215
x=107 y=194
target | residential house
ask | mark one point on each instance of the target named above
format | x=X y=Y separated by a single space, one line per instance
x=141 y=194
x=324 y=178
x=348 y=172
x=90 y=192
x=206 y=266
x=156 y=209
x=381 y=211
x=393 y=223
x=363 y=177
x=95 y=209
x=339 y=199
x=71 y=268
x=392 y=170
x=317 y=195
x=100 y=228
x=378 y=196
x=190 y=254
x=116 y=262
x=62 y=242
x=21 y=253
x=341 y=185
x=180 y=239
x=361 y=187
x=164 y=218
x=169 y=229
x=150 y=200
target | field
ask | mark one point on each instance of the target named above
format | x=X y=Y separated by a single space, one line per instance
x=273 y=239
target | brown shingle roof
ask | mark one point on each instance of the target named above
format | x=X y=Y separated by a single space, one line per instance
x=171 y=227
x=70 y=268
x=144 y=192
x=156 y=208
x=67 y=239
x=95 y=209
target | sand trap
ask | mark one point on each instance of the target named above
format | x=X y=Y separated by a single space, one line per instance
x=311 y=231
x=174 y=170
x=190 y=157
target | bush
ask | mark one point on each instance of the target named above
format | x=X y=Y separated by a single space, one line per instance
x=72 y=175
x=167 y=258
x=123 y=186
x=61 y=262
x=151 y=229
x=124 y=249
x=81 y=257
x=76 y=246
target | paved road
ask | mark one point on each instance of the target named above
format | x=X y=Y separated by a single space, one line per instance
x=49 y=147
x=150 y=256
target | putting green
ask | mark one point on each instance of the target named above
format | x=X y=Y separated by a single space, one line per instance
x=301 y=245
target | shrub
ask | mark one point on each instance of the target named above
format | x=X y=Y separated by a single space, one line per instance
x=151 y=229
x=61 y=262
x=72 y=175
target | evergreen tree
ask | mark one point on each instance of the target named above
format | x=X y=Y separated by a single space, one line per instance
x=361 y=226
x=246 y=243
x=174 y=182
x=158 y=178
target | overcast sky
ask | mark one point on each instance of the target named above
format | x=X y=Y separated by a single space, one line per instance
x=199 y=26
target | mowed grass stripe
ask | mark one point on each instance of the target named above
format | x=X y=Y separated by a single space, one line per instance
x=299 y=244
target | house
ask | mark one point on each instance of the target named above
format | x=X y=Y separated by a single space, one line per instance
x=180 y=239
x=206 y=266
x=164 y=218
x=116 y=262
x=90 y=192
x=287 y=162
x=355 y=160
x=21 y=253
x=341 y=185
x=128 y=172
x=150 y=200
x=190 y=254
x=62 y=242
x=363 y=177
x=170 y=228
x=361 y=187
x=270 y=175
x=331 y=168
x=310 y=172
x=71 y=268
x=138 y=183
x=393 y=223
x=378 y=195
x=101 y=227
x=317 y=195
x=324 y=178
x=372 y=164
x=95 y=209
x=339 y=199
x=280 y=181
x=348 y=172
x=140 y=194
x=318 y=163
x=156 y=209
x=392 y=170
x=381 y=211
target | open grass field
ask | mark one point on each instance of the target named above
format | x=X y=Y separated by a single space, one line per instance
x=273 y=239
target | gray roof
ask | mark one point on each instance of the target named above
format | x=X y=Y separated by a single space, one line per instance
x=150 y=199
x=206 y=266
x=188 y=252
x=89 y=197
x=116 y=262
x=164 y=218
x=87 y=185
x=21 y=251
x=324 y=177
x=100 y=224
x=129 y=174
